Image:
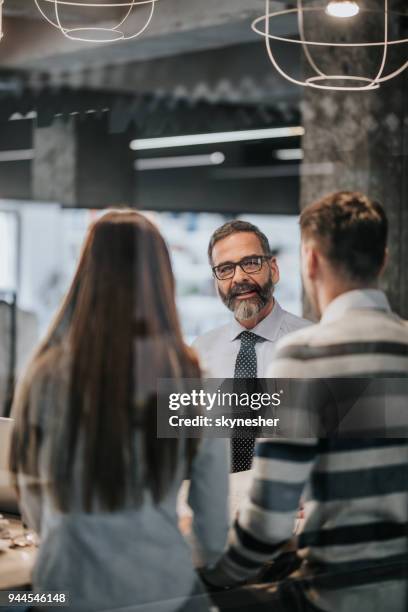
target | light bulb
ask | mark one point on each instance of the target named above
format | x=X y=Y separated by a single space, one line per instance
x=342 y=8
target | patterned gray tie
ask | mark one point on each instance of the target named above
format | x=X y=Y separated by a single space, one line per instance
x=246 y=367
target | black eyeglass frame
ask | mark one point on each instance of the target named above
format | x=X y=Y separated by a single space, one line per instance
x=241 y=263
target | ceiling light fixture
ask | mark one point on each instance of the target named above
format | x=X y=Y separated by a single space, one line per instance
x=318 y=78
x=288 y=154
x=180 y=161
x=169 y=142
x=342 y=9
x=19 y=155
x=96 y=34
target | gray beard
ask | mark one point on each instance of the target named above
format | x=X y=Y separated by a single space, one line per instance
x=247 y=309
x=244 y=310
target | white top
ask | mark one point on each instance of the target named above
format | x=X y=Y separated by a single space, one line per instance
x=218 y=348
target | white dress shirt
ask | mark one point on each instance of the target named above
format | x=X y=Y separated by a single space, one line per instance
x=218 y=348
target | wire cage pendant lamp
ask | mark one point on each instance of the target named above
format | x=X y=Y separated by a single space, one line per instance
x=53 y=13
x=320 y=79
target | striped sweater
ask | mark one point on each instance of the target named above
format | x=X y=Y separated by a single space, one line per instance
x=355 y=490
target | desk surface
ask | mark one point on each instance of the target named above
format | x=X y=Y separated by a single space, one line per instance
x=16 y=564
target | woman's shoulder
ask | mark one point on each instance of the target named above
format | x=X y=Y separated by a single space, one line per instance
x=50 y=366
x=46 y=377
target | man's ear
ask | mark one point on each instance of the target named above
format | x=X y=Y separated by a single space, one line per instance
x=310 y=258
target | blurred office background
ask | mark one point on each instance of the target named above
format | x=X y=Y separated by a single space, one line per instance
x=40 y=246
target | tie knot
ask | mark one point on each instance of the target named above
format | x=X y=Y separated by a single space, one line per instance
x=249 y=338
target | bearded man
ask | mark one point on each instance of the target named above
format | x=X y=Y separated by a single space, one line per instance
x=245 y=272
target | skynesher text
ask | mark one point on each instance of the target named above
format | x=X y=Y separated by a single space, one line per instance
x=224 y=422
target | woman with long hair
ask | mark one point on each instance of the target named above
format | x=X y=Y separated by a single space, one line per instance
x=93 y=477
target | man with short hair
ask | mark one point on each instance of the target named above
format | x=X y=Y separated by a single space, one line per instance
x=246 y=273
x=354 y=545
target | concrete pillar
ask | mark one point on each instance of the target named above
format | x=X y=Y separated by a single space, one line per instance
x=362 y=138
x=79 y=163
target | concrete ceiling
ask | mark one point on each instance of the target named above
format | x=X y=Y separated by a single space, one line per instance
x=178 y=26
x=192 y=49
x=26 y=9
x=195 y=49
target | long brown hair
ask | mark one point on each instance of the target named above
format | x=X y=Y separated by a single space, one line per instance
x=119 y=327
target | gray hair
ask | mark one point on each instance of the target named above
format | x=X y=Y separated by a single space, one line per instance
x=236 y=227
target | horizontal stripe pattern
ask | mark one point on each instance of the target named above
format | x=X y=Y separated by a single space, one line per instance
x=266 y=525
x=270 y=469
x=345 y=366
x=247 y=540
x=362 y=483
x=355 y=566
x=354 y=534
x=280 y=451
x=243 y=561
x=276 y=495
x=356 y=490
x=369 y=552
x=340 y=461
x=347 y=445
x=393 y=507
x=273 y=503
x=307 y=352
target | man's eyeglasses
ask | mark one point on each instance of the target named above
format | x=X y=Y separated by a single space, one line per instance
x=249 y=265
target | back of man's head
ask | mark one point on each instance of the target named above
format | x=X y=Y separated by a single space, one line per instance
x=351 y=231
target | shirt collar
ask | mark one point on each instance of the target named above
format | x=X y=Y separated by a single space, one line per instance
x=268 y=328
x=373 y=299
